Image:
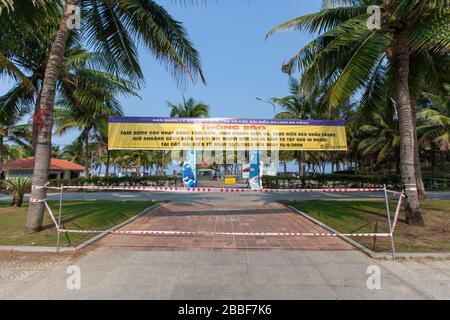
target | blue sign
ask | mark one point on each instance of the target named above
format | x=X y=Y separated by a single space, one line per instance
x=254 y=177
x=190 y=169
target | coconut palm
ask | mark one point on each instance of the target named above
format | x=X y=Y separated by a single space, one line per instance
x=86 y=104
x=10 y=131
x=24 y=50
x=380 y=139
x=301 y=106
x=188 y=109
x=14 y=152
x=74 y=152
x=18 y=135
x=346 y=54
x=114 y=28
x=19 y=186
x=80 y=66
x=434 y=123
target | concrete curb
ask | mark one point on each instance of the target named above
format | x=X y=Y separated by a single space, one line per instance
x=367 y=251
x=35 y=249
x=82 y=245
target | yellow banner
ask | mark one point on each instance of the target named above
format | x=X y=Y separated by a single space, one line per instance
x=127 y=133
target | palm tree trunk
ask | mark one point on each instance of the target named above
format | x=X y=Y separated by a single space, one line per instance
x=433 y=161
x=42 y=154
x=417 y=168
x=108 y=158
x=406 y=128
x=35 y=130
x=87 y=165
x=302 y=168
x=1 y=157
x=18 y=200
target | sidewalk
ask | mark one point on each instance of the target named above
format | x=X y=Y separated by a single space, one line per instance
x=127 y=274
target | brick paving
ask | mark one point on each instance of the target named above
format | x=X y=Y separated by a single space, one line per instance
x=210 y=218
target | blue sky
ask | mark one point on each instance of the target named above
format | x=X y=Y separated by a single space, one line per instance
x=238 y=62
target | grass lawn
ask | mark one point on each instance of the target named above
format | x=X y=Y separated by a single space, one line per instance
x=363 y=216
x=75 y=215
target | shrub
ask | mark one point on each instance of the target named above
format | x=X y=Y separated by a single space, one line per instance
x=19 y=186
x=120 y=181
x=333 y=181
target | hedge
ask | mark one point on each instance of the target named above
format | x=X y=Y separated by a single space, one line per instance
x=159 y=181
x=281 y=182
x=333 y=181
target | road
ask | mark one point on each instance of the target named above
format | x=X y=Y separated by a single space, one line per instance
x=218 y=197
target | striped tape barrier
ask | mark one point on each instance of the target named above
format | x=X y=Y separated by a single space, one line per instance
x=267 y=234
x=217 y=190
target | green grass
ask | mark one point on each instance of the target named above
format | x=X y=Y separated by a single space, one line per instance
x=370 y=216
x=75 y=215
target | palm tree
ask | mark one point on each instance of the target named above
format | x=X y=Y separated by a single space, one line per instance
x=24 y=50
x=86 y=104
x=434 y=123
x=74 y=152
x=14 y=152
x=346 y=54
x=300 y=106
x=188 y=109
x=114 y=28
x=10 y=131
x=380 y=139
x=18 y=135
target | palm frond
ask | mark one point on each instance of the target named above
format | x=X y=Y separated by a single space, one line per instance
x=322 y=21
x=358 y=67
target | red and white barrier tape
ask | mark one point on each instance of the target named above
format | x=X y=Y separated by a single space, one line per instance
x=397 y=212
x=219 y=190
x=269 y=234
x=195 y=233
x=45 y=186
x=52 y=216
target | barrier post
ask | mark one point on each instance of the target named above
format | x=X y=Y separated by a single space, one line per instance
x=58 y=227
x=389 y=221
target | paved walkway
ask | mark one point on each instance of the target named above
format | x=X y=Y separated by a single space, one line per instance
x=207 y=218
x=287 y=274
x=131 y=272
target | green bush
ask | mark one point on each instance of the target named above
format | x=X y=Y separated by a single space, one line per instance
x=119 y=181
x=333 y=181
x=19 y=187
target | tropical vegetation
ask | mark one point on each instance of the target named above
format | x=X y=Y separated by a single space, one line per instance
x=390 y=85
x=114 y=29
x=387 y=65
x=19 y=186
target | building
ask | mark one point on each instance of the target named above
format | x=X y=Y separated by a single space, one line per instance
x=59 y=169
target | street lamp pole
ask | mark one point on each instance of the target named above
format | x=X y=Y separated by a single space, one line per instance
x=270 y=102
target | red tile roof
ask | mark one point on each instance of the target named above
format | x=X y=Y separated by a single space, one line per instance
x=55 y=164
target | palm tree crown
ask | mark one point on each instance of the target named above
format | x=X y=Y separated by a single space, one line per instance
x=188 y=109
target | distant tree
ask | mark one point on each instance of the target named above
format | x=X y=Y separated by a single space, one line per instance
x=188 y=109
x=380 y=138
x=434 y=124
